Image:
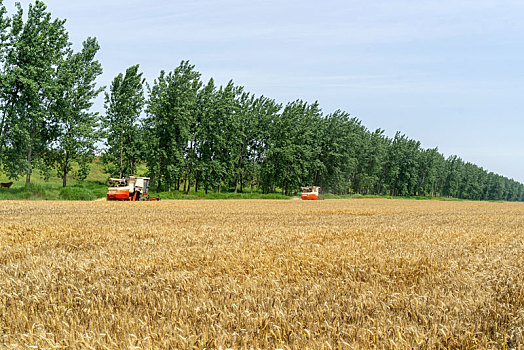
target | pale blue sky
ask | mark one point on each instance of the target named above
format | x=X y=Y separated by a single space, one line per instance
x=447 y=73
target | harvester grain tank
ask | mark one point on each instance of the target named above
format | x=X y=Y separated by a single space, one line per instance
x=130 y=188
x=310 y=192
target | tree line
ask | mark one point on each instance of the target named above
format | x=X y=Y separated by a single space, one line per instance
x=194 y=135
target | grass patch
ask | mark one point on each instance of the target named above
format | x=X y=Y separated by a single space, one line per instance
x=356 y=196
x=28 y=192
x=76 y=194
x=88 y=190
x=216 y=195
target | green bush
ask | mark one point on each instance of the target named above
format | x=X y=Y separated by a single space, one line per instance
x=98 y=189
x=77 y=194
x=216 y=195
x=27 y=192
x=25 y=195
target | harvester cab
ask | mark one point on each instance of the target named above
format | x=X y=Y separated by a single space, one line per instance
x=130 y=188
x=310 y=192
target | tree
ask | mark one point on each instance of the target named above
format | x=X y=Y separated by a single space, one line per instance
x=8 y=90
x=401 y=166
x=203 y=130
x=454 y=177
x=264 y=112
x=124 y=104
x=228 y=133
x=35 y=49
x=293 y=148
x=77 y=126
x=170 y=114
x=340 y=137
x=376 y=152
x=427 y=172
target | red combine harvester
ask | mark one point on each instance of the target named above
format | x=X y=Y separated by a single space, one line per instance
x=310 y=193
x=129 y=189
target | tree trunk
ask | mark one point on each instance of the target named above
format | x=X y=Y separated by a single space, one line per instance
x=352 y=181
x=121 y=149
x=64 y=178
x=220 y=185
x=254 y=175
x=29 y=165
x=162 y=160
x=239 y=167
x=3 y=131
x=185 y=183
x=3 y=128
x=241 y=183
x=379 y=185
x=421 y=183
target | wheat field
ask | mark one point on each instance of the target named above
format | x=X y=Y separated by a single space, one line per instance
x=362 y=273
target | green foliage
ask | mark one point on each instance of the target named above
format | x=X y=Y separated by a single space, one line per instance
x=46 y=92
x=121 y=125
x=171 y=112
x=49 y=188
x=54 y=191
x=364 y=196
x=293 y=148
x=76 y=193
x=32 y=48
x=76 y=126
x=219 y=195
x=25 y=192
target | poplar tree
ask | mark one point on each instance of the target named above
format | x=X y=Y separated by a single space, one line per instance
x=36 y=47
x=293 y=148
x=8 y=90
x=123 y=103
x=77 y=126
x=245 y=131
x=204 y=129
x=227 y=133
x=264 y=112
x=340 y=142
x=171 y=110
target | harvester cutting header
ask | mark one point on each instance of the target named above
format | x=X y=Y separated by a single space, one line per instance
x=129 y=189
